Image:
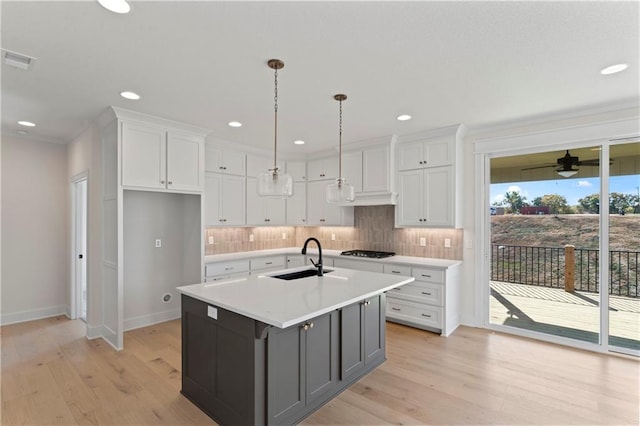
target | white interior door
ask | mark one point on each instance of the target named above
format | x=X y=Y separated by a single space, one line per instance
x=79 y=250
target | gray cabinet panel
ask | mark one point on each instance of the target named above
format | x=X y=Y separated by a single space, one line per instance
x=373 y=330
x=321 y=341
x=286 y=352
x=351 y=345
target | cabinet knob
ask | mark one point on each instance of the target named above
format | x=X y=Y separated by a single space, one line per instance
x=307 y=326
x=170 y=183
x=221 y=168
x=426 y=315
x=366 y=303
x=162 y=182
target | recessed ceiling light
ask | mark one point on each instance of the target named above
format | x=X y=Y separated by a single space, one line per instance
x=130 y=95
x=235 y=124
x=613 y=69
x=26 y=123
x=299 y=142
x=403 y=117
x=116 y=6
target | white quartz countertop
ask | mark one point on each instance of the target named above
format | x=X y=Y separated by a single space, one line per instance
x=285 y=303
x=404 y=260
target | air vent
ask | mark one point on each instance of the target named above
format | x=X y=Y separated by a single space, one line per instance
x=17 y=60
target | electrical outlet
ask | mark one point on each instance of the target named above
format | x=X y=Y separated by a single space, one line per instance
x=447 y=242
x=158 y=243
x=284 y=236
x=251 y=238
x=211 y=239
x=423 y=242
x=333 y=237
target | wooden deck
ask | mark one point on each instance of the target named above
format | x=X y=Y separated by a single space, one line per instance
x=554 y=311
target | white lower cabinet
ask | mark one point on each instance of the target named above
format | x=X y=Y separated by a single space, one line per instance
x=296 y=260
x=225 y=270
x=431 y=302
x=266 y=264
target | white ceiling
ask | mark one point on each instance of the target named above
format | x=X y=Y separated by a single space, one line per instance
x=204 y=63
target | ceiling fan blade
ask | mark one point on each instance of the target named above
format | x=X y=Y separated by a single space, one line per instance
x=589 y=163
x=539 y=167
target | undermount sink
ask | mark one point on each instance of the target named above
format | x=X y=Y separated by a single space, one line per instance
x=299 y=274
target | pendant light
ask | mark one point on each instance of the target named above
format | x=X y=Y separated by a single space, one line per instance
x=274 y=183
x=340 y=191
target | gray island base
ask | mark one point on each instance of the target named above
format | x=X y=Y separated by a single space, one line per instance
x=241 y=371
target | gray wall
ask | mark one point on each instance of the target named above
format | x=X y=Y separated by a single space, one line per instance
x=150 y=272
x=34 y=230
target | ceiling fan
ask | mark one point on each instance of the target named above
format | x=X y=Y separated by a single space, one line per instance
x=565 y=165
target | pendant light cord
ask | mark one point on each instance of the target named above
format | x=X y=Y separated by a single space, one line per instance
x=275 y=131
x=340 y=149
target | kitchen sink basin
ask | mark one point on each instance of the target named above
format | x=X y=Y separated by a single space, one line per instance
x=299 y=274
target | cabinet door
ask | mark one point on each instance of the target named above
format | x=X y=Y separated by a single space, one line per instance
x=352 y=169
x=184 y=162
x=275 y=211
x=410 y=155
x=297 y=170
x=297 y=205
x=255 y=204
x=222 y=160
x=295 y=261
x=233 y=200
x=438 y=151
x=257 y=165
x=212 y=198
x=321 y=342
x=351 y=342
x=316 y=202
x=373 y=330
x=438 y=198
x=143 y=156
x=286 y=352
x=375 y=170
x=315 y=170
x=410 y=198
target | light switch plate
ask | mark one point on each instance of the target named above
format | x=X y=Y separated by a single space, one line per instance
x=251 y=238
x=333 y=237
x=211 y=239
x=158 y=243
x=212 y=312
x=447 y=242
x=423 y=242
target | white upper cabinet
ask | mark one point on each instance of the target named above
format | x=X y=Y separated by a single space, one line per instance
x=224 y=200
x=376 y=170
x=297 y=170
x=431 y=152
x=222 y=160
x=297 y=205
x=352 y=169
x=430 y=179
x=322 y=168
x=144 y=156
x=258 y=164
x=158 y=158
x=263 y=210
x=185 y=162
x=321 y=213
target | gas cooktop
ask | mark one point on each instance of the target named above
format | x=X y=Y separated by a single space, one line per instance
x=368 y=253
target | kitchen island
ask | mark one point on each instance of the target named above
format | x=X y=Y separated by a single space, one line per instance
x=263 y=350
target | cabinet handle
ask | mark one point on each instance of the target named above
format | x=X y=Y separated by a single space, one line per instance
x=426 y=276
x=322 y=220
x=307 y=326
x=366 y=303
x=396 y=309
x=229 y=268
x=268 y=263
x=420 y=220
x=428 y=294
x=221 y=168
x=395 y=272
x=398 y=289
x=304 y=220
x=426 y=315
x=420 y=162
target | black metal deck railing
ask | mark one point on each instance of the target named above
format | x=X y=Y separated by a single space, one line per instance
x=546 y=267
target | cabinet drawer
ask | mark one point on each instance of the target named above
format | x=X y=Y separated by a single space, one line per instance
x=431 y=275
x=397 y=269
x=225 y=277
x=414 y=312
x=269 y=262
x=421 y=292
x=359 y=265
x=226 y=268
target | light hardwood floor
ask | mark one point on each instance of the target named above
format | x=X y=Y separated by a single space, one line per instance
x=53 y=375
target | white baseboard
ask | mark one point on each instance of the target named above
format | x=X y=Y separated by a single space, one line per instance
x=34 y=314
x=147 y=320
x=110 y=336
x=94 y=331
